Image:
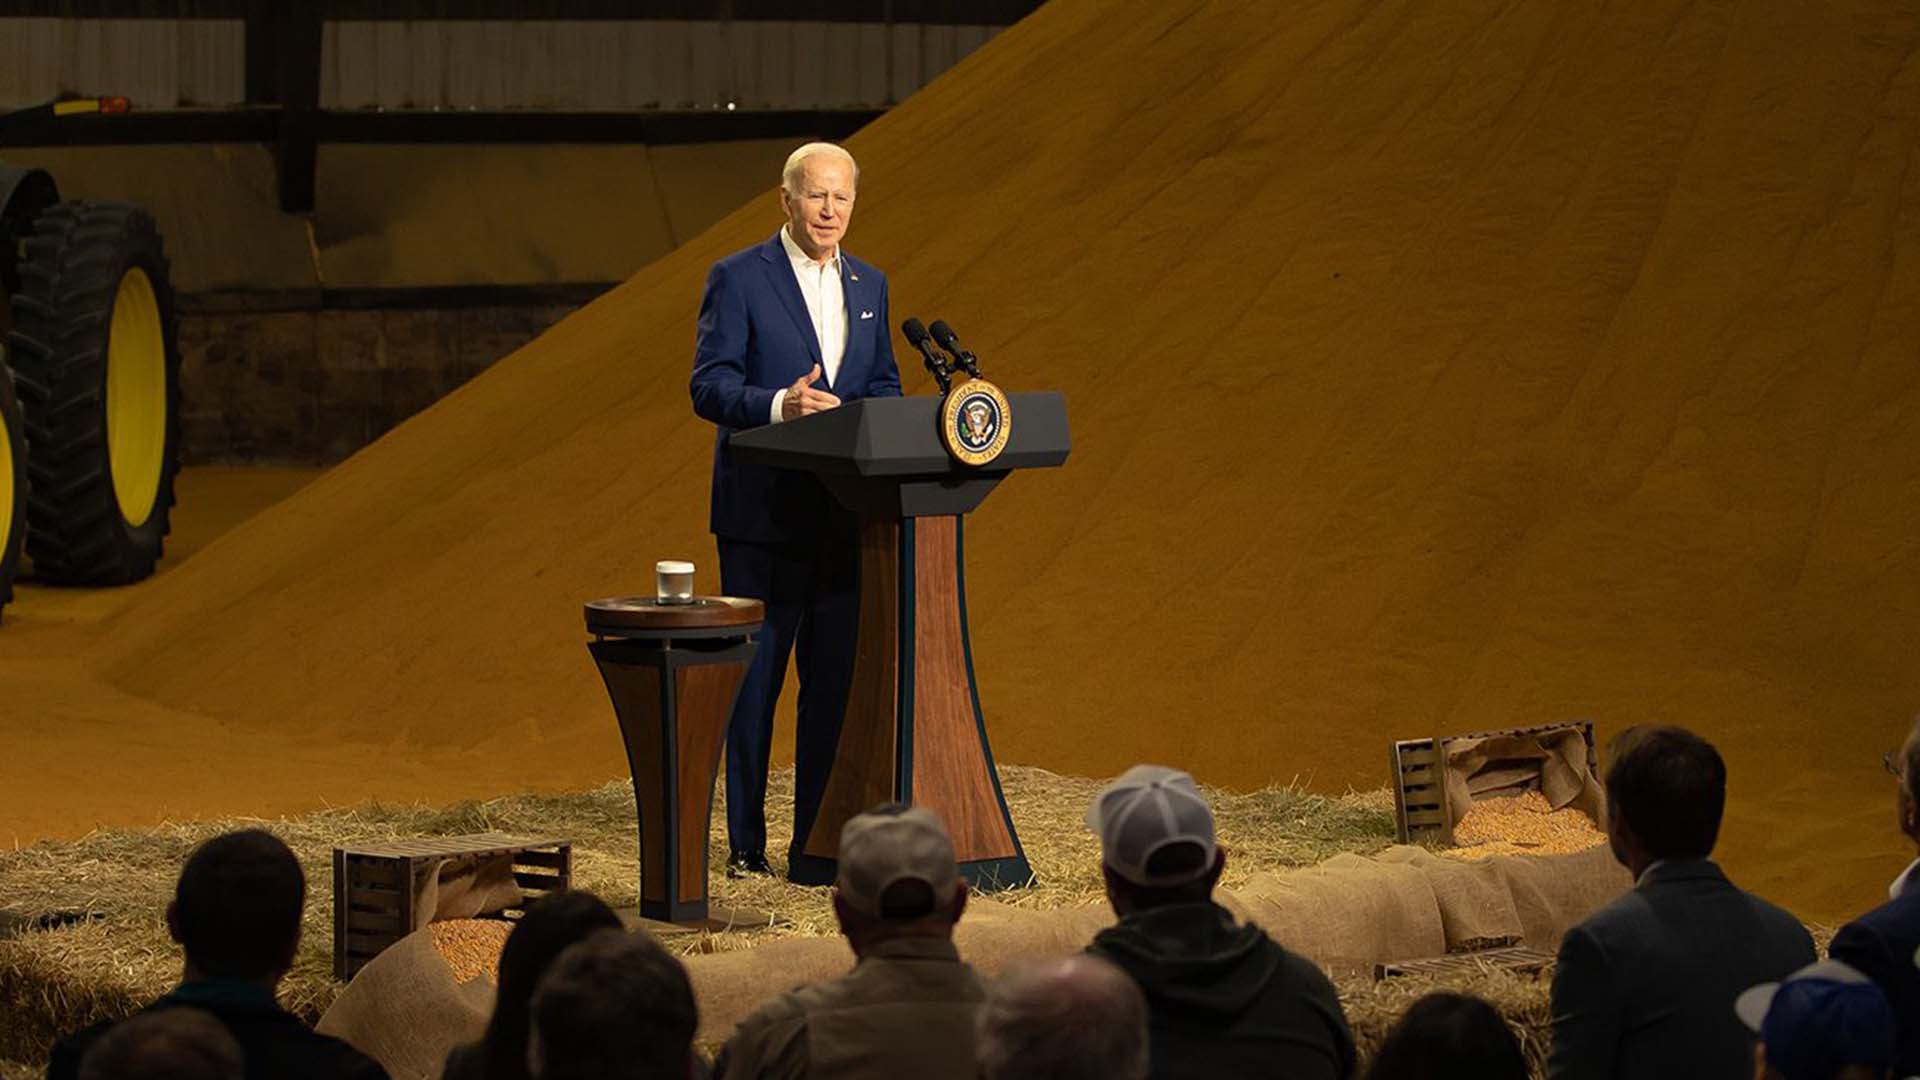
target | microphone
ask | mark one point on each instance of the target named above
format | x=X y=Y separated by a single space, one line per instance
x=917 y=337
x=950 y=341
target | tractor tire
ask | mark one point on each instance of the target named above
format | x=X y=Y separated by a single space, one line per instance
x=96 y=361
x=13 y=486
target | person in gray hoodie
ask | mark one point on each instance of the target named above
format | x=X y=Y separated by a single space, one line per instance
x=1223 y=999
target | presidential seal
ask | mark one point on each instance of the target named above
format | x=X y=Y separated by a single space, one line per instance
x=975 y=421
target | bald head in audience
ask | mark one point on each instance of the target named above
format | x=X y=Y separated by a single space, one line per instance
x=1078 y=1018
x=166 y=1044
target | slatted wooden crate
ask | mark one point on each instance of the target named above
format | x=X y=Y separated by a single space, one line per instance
x=1420 y=807
x=1514 y=958
x=374 y=885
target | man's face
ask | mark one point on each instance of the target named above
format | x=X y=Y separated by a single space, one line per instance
x=817 y=215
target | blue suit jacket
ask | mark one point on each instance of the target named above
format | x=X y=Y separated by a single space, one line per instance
x=755 y=338
x=1644 y=987
x=1881 y=944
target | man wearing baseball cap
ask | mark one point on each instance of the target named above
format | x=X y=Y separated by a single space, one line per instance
x=1823 y=1022
x=1222 y=998
x=909 y=1006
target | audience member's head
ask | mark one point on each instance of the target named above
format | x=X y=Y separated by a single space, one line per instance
x=1823 y=1022
x=615 y=1005
x=1156 y=840
x=236 y=910
x=1666 y=789
x=165 y=1044
x=1449 y=1037
x=1906 y=764
x=550 y=925
x=897 y=877
x=1079 y=1018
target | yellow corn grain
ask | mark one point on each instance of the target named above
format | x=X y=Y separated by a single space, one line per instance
x=471 y=947
x=1522 y=825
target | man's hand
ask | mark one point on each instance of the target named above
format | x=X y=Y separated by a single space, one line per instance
x=803 y=400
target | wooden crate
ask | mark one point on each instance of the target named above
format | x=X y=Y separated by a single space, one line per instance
x=374 y=885
x=1420 y=809
x=1514 y=958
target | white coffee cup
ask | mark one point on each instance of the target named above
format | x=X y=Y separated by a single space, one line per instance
x=673 y=581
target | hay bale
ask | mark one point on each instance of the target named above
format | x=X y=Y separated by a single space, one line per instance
x=1372 y=1007
x=56 y=982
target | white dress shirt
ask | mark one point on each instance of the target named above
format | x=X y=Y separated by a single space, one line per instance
x=827 y=305
x=1907 y=879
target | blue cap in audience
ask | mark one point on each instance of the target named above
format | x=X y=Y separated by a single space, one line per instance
x=1819 y=1019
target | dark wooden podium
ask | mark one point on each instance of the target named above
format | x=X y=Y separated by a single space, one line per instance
x=673 y=671
x=913 y=730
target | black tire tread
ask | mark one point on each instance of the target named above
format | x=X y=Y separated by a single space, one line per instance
x=73 y=260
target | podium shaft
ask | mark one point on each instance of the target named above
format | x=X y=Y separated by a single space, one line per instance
x=913 y=730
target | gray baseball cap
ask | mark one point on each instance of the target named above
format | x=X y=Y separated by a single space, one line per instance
x=1148 y=808
x=883 y=847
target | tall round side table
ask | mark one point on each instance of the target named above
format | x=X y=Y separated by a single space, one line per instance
x=673 y=671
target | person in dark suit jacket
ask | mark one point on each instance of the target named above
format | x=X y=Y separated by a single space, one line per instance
x=1884 y=943
x=1644 y=988
x=236 y=914
x=788 y=328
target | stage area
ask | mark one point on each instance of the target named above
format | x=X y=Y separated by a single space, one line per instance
x=1431 y=369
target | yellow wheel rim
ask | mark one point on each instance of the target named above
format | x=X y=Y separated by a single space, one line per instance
x=136 y=397
x=6 y=483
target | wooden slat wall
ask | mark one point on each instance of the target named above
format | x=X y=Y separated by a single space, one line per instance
x=494 y=64
x=642 y=64
x=159 y=63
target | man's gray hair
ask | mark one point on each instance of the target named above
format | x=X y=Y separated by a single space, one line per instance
x=1079 y=1018
x=165 y=1044
x=796 y=167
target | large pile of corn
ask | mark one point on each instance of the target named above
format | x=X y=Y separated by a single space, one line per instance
x=1522 y=825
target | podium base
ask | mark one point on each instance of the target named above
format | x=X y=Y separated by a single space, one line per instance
x=986 y=875
x=805 y=869
x=714 y=919
x=995 y=875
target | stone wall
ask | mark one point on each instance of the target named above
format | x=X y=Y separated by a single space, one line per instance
x=312 y=387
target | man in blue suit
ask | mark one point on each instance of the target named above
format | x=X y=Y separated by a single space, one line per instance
x=789 y=327
x=1884 y=944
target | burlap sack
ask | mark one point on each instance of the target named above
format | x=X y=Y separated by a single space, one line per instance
x=995 y=937
x=1349 y=912
x=730 y=985
x=1554 y=893
x=405 y=1011
x=465 y=888
x=1346 y=911
x=1475 y=902
x=1555 y=762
